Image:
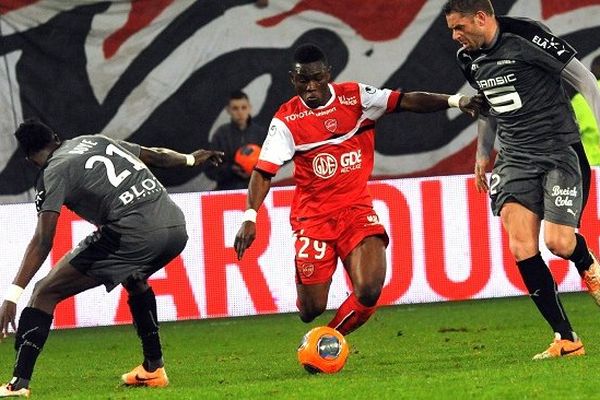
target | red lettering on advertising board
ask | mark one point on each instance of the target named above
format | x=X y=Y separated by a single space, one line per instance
x=175 y=284
x=217 y=256
x=401 y=263
x=283 y=197
x=433 y=223
x=510 y=266
x=64 y=314
x=558 y=266
x=590 y=222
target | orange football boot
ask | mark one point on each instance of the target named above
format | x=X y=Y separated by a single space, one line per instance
x=562 y=348
x=140 y=377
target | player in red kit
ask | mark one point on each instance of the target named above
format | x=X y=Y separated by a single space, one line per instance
x=328 y=130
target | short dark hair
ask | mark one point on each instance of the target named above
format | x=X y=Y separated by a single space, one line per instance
x=237 y=95
x=33 y=135
x=468 y=6
x=308 y=53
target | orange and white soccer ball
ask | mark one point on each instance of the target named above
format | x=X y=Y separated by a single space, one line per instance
x=323 y=349
x=247 y=157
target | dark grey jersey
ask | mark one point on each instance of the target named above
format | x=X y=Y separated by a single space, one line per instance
x=520 y=76
x=104 y=182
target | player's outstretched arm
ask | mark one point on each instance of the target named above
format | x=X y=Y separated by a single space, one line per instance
x=259 y=186
x=584 y=82
x=424 y=102
x=38 y=249
x=166 y=158
x=486 y=136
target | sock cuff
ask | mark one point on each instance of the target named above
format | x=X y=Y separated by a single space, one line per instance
x=534 y=261
x=358 y=306
x=144 y=313
x=37 y=315
x=149 y=291
x=147 y=297
x=581 y=255
x=581 y=249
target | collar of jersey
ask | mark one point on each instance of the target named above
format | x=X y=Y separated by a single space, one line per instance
x=331 y=99
x=334 y=140
x=52 y=154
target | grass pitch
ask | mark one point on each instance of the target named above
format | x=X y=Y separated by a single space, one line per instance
x=463 y=350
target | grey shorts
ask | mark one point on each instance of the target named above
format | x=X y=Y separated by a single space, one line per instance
x=113 y=258
x=550 y=185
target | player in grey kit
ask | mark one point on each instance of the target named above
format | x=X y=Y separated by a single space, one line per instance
x=140 y=229
x=541 y=171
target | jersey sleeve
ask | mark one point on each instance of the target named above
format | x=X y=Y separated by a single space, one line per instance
x=540 y=46
x=133 y=148
x=376 y=102
x=553 y=59
x=51 y=191
x=277 y=149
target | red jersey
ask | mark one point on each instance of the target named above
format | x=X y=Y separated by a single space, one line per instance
x=332 y=147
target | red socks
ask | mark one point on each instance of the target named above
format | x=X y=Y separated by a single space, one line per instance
x=351 y=315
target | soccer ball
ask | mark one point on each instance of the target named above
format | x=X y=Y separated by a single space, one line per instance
x=323 y=349
x=247 y=157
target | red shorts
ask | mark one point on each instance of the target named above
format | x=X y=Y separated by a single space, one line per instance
x=318 y=247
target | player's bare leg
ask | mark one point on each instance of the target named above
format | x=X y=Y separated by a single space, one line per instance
x=312 y=300
x=564 y=242
x=523 y=228
x=34 y=323
x=366 y=266
x=142 y=304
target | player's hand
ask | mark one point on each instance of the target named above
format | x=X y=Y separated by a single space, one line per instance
x=481 y=182
x=8 y=313
x=473 y=105
x=213 y=157
x=244 y=238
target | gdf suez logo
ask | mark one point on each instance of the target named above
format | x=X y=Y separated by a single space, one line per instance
x=351 y=161
x=325 y=165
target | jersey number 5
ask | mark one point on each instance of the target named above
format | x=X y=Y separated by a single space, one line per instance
x=111 y=172
x=503 y=99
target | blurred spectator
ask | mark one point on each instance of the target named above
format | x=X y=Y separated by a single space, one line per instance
x=261 y=3
x=588 y=126
x=240 y=140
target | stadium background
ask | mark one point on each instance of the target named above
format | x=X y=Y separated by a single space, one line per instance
x=158 y=72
